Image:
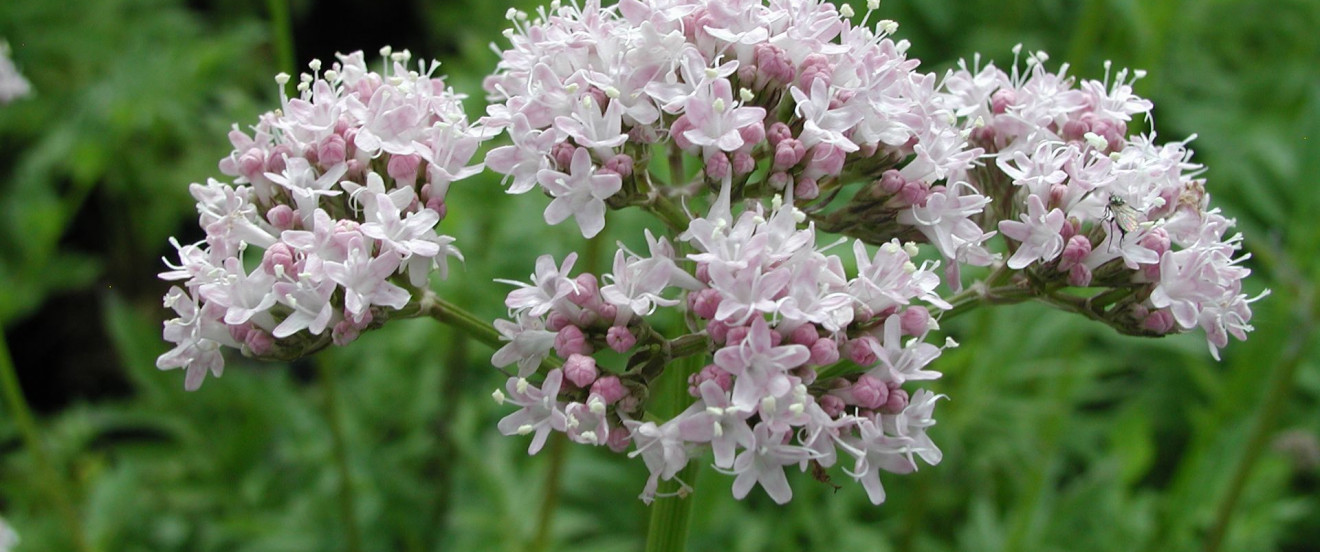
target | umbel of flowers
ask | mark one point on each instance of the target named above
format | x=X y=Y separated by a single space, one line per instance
x=608 y=107
x=778 y=120
x=329 y=226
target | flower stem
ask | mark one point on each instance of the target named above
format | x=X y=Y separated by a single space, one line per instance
x=281 y=35
x=347 y=514
x=448 y=313
x=672 y=508
x=550 y=501
x=58 y=489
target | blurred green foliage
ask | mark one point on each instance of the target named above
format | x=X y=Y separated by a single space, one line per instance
x=1059 y=435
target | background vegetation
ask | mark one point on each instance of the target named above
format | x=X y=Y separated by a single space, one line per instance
x=1060 y=435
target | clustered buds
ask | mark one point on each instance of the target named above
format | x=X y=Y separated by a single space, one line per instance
x=808 y=361
x=329 y=226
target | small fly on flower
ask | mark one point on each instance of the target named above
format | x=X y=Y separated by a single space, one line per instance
x=1124 y=216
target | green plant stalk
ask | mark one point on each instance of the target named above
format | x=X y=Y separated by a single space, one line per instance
x=60 y=492
x=550 y=501
x=448 y=313
x=1282 y=380
x=347 y=500
x=281 y=37
x=668 y=529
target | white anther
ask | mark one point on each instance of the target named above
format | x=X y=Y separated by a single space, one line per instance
x=846 y=11
x=715 y=411
x=909 y=268
x=525 y=429
x=872 y=5
x=1096 y=141
x=799 y=216
x=572 y=88
x=768 y=405
x=589 y=436
x=281 y=79
x=950 y=343
x=315 y=64
x=596 y=405
x=385 y=51
x=888 y=26
x=498 y=396
x=511 y=14
x=718 y=105
x=745 y=95
x=891 y=247
x=911 y=249
x=611 y=92
x=331 y=75
x=521 y=386
x=776 y=202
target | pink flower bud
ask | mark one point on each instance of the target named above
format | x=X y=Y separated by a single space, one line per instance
x=898 y=400
x=707 y=302
x=239 y=332
x=824 y=352
x=718 y=331
x=913 y=193
x=562 y=153
x=620 y=339
x=619 y=440
x=773 y=63
x=892 y=182
x=779 y=180
x=805 y=335
x=1156 y=240
x=861 y=350
x=826 y=159
x=344 y=332
x=806 y=188
x=869 y=392
x=703 y=273
x=915 y=320
x=587 y=292
x=556 y=321
x=788 y=152
x=1002 y=99
x=1079 y=276
x=736 y=336
x=681 y=125
x=709 y=373
x=332 y=151
x=253 y=163
x=982 y=135
x=403 y=167
x=281 y=217
x=258 y=342
x=743 y=163
x=1057 y=193
x=1075 y=130
x=279 y=255
x=777 y=133
x=1159 y=321
x=752 y=135
x=815 y=66
x=621 y=164
x=832 y=405
x=438 y=205
x=609 y=388
x=581 y=370
x=1077 y=248
x=717 y=165
x=570 y=340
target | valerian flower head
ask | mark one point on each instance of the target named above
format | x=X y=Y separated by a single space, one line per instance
x=338 y=195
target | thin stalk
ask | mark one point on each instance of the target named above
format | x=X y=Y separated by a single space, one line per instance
x=672 y=509
x=281 y=35
x=347 y=513
x=1282 y=380
x=550 y=501
x=448 y=313
x=58 y=489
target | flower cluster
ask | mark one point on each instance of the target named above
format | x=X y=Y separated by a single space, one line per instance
x=12 y=84
x=808 y=361
x=785 y=97
x=339 y=192
x=1084 y=204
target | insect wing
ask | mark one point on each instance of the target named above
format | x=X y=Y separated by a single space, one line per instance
x=1124 y=216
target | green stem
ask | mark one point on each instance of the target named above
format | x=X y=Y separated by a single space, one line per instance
x=1282 y=380
x=55 y=486
x=347 y=500
x=282 y=36
x=550 y=501
x=448 y=313
x=980 y=294
x=672 y=509
x=673 y=216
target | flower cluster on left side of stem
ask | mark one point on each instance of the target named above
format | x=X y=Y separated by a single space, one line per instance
x=329 y=225
x=810 y=365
